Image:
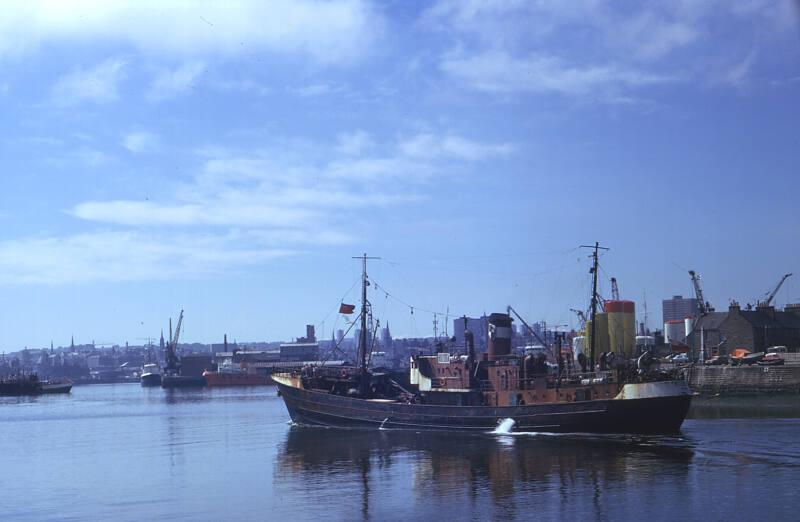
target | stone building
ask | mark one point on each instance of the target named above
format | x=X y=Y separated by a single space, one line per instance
x=755 y=330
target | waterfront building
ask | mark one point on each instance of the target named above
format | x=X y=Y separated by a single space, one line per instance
x=755 y=330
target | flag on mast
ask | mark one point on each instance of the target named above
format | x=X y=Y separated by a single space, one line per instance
x=346 y=308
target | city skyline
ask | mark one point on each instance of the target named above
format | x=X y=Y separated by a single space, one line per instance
x=230 y=161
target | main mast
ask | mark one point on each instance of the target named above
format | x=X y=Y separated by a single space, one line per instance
x=362 y=341
x=596 y=247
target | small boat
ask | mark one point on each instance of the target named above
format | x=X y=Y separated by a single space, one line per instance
x=151 y=375
x=752 y=358
x=771 y=359
x=56 y=386
x=743 y=356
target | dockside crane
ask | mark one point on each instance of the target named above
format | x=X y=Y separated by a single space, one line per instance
x=771 y=295
x=614 y=289
x=174 y=340
x=704 y=306
x=530 y=330
x=581 y=317
x=173 y=363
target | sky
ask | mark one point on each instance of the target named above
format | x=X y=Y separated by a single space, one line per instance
x=230 y=158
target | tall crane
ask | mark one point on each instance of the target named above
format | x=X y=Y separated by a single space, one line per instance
x=614 y=289
x=581 y=317
x=174 y=340
x=771 y=295
x=698 y=292
x=173 y=363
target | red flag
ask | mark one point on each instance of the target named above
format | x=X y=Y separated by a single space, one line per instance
x=346 y=308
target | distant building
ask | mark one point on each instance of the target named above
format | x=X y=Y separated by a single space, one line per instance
x=679 y=308
x=339 y=336
x=299 y=351
x=386 y=338
x=479 y=326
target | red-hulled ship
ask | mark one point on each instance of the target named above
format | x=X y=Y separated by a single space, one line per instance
x=460 y=392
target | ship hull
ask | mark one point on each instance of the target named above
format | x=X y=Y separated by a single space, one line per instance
x=61 y=387
x=182 y=381
x=645 y=414
x=214 y=379
x=151 y=379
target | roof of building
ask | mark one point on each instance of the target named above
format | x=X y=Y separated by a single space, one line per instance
x=757 y=318
x=712 y=320
x=763 y=319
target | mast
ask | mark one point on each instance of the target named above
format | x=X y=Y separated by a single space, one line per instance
x=362 y=341
x=593 y=270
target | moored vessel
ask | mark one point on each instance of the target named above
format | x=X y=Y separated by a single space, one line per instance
x=56 y=386
x=151 y=375
x=228 y=375
x=19 y=385
x=460 y=391
x=172 y=376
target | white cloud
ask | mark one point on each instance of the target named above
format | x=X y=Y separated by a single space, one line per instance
x=91 y=157
x=317 y=89
x=234 y=209
x=432 y=146
x=96 y=84
x=649 y=36
x=241 y=209
x=139 y=142
x=353 y=143
x=172 y=83
x=331 y=32
x=499 y=72
x=738 y=74
x=260 y=190
x=583 y=45
x=126 y=256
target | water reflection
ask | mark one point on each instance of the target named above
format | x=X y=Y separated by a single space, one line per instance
x=509 y=471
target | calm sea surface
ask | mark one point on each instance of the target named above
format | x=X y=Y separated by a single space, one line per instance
x=121 y=452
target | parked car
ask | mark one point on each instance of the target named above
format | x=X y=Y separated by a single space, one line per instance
x=717 y=360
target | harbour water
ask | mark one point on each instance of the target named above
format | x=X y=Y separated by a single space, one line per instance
x=121 y=452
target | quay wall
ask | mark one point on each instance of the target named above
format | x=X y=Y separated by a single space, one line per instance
x=744 y=380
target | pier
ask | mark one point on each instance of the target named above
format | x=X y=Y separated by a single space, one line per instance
x=749 y=380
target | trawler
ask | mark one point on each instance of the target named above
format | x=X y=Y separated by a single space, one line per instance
x=462 y=391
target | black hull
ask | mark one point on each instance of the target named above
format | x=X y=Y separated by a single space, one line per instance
x=151 y=379
x=56 y=388
x=656 y=415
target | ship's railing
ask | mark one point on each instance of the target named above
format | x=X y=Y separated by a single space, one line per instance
x=553 y=381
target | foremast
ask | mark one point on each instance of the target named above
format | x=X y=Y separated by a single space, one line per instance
x=593 y=270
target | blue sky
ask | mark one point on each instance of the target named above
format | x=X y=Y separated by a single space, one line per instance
x=230 y=158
